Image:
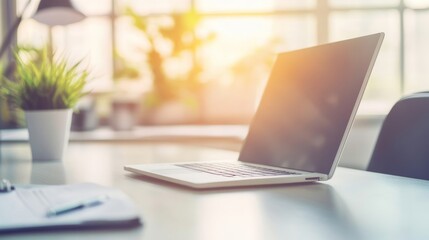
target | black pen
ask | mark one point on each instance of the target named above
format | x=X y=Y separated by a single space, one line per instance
x=72 y=206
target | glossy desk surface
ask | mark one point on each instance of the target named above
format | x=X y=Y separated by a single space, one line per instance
x=353 y=205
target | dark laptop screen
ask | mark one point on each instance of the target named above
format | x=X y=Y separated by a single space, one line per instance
x=307 y=104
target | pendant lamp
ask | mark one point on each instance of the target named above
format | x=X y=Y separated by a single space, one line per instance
x=57 y=12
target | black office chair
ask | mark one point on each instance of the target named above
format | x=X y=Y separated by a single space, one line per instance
x=402 y=147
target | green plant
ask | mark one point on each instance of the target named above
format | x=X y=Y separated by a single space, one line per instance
x=178 y=31
x=2 y=89
x=43 y=83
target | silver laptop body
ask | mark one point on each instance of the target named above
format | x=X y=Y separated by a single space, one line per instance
x=301 y=124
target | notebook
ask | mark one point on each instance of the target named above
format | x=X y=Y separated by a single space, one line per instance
x=300 y=127
x=26 y=209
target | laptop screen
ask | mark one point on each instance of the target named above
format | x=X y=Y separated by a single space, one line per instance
x=308 y=103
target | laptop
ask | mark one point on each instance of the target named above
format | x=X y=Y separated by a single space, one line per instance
x=301 y=124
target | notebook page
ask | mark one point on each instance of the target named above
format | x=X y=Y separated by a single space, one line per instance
x=29 y=206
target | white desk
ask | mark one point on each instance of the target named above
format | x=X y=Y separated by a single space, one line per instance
x=353 y=205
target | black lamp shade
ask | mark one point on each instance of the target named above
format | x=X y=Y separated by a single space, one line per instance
x=57 y=12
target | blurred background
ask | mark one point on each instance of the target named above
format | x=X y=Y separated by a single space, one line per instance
x=200 y=62
x=206 y=61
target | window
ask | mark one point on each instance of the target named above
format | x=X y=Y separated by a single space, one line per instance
x=244 y=38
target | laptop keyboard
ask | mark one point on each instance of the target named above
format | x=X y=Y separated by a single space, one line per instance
x=228 y=169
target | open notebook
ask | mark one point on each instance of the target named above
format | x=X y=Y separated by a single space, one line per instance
x=26 y=208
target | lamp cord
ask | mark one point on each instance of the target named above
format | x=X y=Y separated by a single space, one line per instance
x=8 y=38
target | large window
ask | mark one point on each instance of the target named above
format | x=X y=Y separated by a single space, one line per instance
x=242 y=38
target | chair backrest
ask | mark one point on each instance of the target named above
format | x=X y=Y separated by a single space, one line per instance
x=402 y=147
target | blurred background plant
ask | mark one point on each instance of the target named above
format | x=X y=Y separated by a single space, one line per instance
x=256 y=64
x=241 y=87
x=170 y=42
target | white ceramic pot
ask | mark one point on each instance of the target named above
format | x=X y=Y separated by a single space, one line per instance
x=49 y=132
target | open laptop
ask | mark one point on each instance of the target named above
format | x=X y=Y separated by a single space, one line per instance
x=300 y=126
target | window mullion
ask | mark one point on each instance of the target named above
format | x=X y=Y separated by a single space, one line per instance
x=322 y=21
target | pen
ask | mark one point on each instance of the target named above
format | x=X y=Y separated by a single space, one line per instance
x=72 y=206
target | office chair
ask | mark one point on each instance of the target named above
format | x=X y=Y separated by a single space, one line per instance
x=402 y=147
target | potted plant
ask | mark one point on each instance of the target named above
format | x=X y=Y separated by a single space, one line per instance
x=171 y=42
x=47 y=90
